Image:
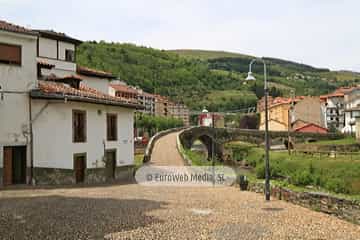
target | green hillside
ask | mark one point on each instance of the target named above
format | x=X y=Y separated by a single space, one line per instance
x=207 y=78
x=206 y=55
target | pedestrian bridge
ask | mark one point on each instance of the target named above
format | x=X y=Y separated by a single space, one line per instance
x=220 y=136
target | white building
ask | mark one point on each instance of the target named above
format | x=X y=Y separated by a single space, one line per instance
x=58 y=123
x=352 y=110
x=334 y=108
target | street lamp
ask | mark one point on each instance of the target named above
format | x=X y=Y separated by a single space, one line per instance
x=251 y=77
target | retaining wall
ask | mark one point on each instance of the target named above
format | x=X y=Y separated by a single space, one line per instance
x=342 y=208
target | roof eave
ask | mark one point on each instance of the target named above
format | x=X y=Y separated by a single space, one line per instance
x=55 y=36
x=36 y=94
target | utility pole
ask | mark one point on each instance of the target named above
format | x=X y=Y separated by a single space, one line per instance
x=290 y=116
x=213 y=147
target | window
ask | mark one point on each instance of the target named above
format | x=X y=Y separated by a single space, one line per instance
x=69 y=55
x=10 y=54
x=79 y=126
x=111 y=126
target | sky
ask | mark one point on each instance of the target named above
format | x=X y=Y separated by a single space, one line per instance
x=322 y=33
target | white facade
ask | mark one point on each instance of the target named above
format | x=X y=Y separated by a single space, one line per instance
x=15 y=82
x=53 y=52
x=335 y=112
x=52 y=132
x=101 y=84
x=352 y=110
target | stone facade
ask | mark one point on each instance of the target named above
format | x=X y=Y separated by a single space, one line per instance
x=342 y=208
x=124 y=173
x=52 y=176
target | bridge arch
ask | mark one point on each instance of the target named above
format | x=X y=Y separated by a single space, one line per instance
x=220 y=136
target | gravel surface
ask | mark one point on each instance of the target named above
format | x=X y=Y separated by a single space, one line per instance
x=138 y=212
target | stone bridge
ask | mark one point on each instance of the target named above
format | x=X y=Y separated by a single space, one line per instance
x=223 y=135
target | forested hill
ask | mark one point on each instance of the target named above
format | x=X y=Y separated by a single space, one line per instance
x=206 y=78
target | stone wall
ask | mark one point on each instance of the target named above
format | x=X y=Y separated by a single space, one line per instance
x=52 y=176
x=327 y=148
x=1 y=176
x=342 y=208
x=125 y=173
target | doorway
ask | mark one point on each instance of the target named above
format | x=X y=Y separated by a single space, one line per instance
x=14 y=165
x=79 y=167
x=110 y=164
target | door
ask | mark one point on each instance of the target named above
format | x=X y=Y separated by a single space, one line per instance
x=110 y=164
x=19 y=165
x=14 y=165
x=79 y=167
x=7 y=175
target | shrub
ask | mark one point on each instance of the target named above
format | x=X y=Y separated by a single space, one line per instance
x=337 y=185
x=260 y=171
x=302 y=178
x=275 y=171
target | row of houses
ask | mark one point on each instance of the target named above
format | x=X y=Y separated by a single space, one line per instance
x=59 y=122
x=153 y=104
x=337 y=111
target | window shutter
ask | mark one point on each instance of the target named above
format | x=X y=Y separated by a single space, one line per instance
x=10 y=54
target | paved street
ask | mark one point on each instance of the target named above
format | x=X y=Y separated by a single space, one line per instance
x=165 y=152
x=138 y=212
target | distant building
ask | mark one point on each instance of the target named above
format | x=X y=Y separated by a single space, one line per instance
x=125 y=91
x=305 y=110
x=161 y=106
x=179 y=111
x=308 y=110
x=334 y=108
x=352 y=110
x=206 y=119
x=147 y=100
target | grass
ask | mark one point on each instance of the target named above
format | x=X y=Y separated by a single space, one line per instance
x=344 y=141
x=138 y=160
x=340 y=175
x=199 y=159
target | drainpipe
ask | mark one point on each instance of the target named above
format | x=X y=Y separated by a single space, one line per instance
x=31 y=143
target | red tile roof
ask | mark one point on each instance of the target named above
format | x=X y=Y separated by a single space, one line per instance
x=124 y=88
x=5 y=26
x=55 y=90
x=306 y=125
x=281 y=100
x=340 y=92
x=93 y=72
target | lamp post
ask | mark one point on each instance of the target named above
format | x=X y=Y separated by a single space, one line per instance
x=251 y=77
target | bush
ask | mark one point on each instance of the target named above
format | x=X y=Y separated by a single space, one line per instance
x=337 y=185
x=275 y=171
x=302 y=178
x=260 y=171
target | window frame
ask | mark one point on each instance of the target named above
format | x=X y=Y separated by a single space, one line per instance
x=74 y=138
x=73 y=54
x=9 y=62
x=114 y=136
